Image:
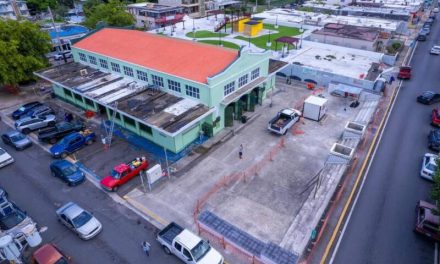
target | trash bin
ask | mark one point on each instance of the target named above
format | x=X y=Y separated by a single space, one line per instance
x=244 y=119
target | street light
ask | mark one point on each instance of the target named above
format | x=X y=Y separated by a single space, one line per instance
x=269 y=43
x=301 y=36
x=276 y=22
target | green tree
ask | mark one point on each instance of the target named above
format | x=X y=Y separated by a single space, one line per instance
x=22 y=51
x=41 y=5
x=113 y=14
x=435 y=191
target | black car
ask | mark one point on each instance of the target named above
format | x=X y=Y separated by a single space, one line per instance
x=434 y=140
x=428 y=98
x=422 y=36
x=60 y=130
x=24 y=109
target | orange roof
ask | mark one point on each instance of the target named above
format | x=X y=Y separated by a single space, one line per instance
x=182 y=58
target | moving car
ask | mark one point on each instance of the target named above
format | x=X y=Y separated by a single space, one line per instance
x=122 y=173
x=67 y=171
x=16 y=139
x=404 y=73
x=71 y=143
x=435 y=50
x=429 y=166
x=435 y=117
x=428 y=98
x=80 y=221
x=60 y=56
x=49 y=254
x=434 y=140
x=435 y=10
x=5 y=158
x=427 y=220
x=53 y=134
x=24 y=109
x=28 y=124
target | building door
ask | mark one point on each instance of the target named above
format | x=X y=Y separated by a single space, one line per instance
x=229 y=116
x=253 y=100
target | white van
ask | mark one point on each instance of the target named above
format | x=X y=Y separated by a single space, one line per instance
x=435 y=50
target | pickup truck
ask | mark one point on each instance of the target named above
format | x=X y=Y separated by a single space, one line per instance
x=72 y=142
x=122 y=173
x=188 y=247
x=427 y=220
x=53 y=134
x=284 y=120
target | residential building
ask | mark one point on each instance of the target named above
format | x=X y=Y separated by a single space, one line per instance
x=167 y=90
x=151 y=15
x=199 y=8
x=365 y=38
x=12 y=9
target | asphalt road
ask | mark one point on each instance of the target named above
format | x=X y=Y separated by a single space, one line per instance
x=381 y=226
x=33 y=189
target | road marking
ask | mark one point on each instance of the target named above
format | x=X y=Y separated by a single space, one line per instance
x=382 y=127
x=145 y=210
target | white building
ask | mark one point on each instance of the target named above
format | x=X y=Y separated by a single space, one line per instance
x=12 y=9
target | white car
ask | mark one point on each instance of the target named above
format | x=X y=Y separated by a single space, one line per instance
x=435 y=50
x=429 y=166
x=80 y=221
x=5 y=158
x=435 y=10
x=60 y=56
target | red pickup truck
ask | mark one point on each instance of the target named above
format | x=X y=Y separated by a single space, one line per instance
x=122 y=173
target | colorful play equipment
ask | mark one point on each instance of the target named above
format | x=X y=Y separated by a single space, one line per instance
x=249 y=26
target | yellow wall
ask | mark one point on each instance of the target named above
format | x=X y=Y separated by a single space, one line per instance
x=253 y=30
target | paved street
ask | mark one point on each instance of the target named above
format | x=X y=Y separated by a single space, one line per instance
x=381 y=227
x=31 y=186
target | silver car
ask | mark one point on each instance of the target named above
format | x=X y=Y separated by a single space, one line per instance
x=5 y=158
x=80 y=221
x=16 y=139
x=28 y=124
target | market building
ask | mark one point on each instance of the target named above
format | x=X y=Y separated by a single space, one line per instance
x=167 y=90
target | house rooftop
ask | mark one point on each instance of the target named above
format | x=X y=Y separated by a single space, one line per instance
x=348 y=31
x=153 y=7
x=182 y=58
x=148 y=104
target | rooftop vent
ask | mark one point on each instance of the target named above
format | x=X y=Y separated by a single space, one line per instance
x=342 y=151
x=83 y=72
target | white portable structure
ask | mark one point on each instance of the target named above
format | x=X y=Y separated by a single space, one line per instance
x=314 y=107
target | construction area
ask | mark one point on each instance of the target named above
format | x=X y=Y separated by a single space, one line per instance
x=273 y=198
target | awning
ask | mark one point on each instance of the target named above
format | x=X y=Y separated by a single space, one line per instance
x=235 y=96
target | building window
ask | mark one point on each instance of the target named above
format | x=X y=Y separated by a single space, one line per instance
x=129 y=121
x=92 y=60
x=117 y=116
x=145 y=128
x=78 y=97
x=103 y=63
x=229 y=88
x=157 y=80
x=175 y=86
x=143 y=76
x=128 y=71
x=115 y=67
x=82 y=57
x=67 y=92
x=255 y=73
x=89 y=102
x=192 y=91
x=242 y=80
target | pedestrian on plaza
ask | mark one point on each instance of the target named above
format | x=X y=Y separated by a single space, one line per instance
x=146 y=248
x=240 y=151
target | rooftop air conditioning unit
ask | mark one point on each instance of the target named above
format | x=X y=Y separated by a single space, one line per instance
x=83 y=72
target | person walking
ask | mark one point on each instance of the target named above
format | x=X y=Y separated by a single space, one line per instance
x=392 y=79
x=146 y=248
x=240 y=151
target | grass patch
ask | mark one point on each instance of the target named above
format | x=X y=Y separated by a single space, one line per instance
x=204 y=34
x=262 y=40
x=226 y=44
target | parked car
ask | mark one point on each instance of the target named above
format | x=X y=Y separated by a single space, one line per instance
x=5 y=158
x=435 y=50
x=16 y=139
x=425 y=30
x=71 y=143
x=429 y=166
x=80 y=221
x=428 y=98
x=28 y=124
x=24 y=109
x=53 y=134
x=68 y=172
x=122 y=173
x=60 y=56
x=427 y=220
x=434 y=140
x=40 y=111
x=49 y=254
x=3 y=193
x=422 y=36
x=435 y=10
x=435 y=117
x=284 y=120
